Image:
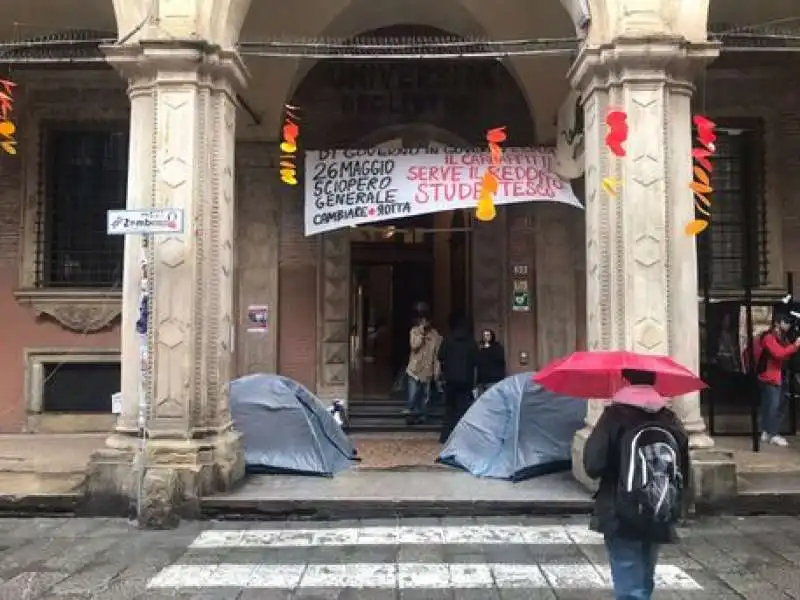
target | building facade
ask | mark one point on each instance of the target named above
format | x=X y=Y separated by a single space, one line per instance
x=182 y=112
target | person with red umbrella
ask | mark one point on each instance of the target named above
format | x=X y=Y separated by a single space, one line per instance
x=598 y=374
x=640 y=453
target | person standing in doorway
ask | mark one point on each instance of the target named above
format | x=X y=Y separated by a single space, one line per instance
x=640 y=453
x=491 y=361
x=770 y=350
x=458 y=356
x=424 y=342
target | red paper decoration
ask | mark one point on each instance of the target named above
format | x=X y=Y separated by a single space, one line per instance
x=701 y=183
x=617 y=122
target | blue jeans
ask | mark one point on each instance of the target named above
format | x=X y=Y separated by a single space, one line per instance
x=418 y=394
x=633 y=567
x=771 y=408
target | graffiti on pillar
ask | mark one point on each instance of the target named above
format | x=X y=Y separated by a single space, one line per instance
x=486 y=210
x=289 y=136
x=8 y=129
x=617 y=136
x=701 y=182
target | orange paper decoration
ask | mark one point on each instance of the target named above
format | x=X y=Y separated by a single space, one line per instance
x=289 y=134
x=701 y=183
x=486 y=210
x=8 y=129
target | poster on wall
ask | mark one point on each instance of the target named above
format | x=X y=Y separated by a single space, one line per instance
x=258 y=318
x=347 y=188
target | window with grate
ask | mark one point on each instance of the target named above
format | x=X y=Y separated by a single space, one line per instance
x=80 y=387
x=732 y=252
x=84 y=174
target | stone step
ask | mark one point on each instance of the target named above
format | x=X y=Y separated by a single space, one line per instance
x=358 y=411
x=385 y=424
x=38 y=464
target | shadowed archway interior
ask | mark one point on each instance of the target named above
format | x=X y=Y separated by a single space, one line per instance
x=344 y=100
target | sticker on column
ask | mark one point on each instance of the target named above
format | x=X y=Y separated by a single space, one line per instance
x=8 y=129
x=486 y=210
x=701 y=182
x=289 y=136
x=258 y=318
x=617 y=136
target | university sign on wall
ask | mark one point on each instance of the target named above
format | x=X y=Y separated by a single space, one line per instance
x=347 y=188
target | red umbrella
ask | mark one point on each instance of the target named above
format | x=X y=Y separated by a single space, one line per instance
x=599 y=374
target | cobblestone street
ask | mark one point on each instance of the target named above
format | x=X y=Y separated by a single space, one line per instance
x=493 y=559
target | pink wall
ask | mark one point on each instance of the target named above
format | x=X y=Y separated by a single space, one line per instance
x=20 y=329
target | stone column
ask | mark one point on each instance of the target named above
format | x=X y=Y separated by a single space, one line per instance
x=140 y=153
x=641 y=267
x=193 y=450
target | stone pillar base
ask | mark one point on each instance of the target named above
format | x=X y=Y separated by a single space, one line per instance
x=578 y=447
x=713 y=478
x=178 y=474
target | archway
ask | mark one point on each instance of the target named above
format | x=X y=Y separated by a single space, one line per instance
x=363 y=103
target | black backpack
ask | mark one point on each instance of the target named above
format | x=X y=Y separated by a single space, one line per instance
x=650 y=487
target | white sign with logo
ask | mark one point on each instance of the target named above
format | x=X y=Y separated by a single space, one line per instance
x=146 y=221
x=347 y=188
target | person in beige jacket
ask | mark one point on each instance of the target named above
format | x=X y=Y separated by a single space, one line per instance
x=423 y=366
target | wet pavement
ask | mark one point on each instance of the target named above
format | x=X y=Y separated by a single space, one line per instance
x=497 y=558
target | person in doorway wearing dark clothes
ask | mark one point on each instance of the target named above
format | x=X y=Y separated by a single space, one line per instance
x=640 y=453
x=458 y=357
x=491 y=361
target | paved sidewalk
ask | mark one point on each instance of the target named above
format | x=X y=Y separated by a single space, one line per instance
x=481 y=559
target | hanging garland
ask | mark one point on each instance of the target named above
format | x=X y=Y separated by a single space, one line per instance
x=8 y=129
x=289 y=133
x=617 y=123
x=701 y=183
x=486 y=210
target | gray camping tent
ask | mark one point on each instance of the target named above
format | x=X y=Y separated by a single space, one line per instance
x=286 y=429
x=515 y=430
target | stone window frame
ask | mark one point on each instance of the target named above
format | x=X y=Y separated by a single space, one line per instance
x=36 y=420
x=81 y=310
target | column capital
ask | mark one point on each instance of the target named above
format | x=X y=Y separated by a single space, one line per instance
x=670 y=59
x=178 y=61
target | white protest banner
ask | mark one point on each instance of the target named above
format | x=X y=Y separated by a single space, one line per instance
x=345 y=188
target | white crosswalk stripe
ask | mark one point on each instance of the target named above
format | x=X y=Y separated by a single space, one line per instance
x=259 y=571
x=383 y=536
x=405 y=576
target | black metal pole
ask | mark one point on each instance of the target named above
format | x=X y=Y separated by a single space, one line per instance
x=790 y=370
x=750 y=278
x=711 y=393
x=751 y=367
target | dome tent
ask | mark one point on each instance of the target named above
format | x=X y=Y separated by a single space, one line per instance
x=286 y=429
x=516 y=430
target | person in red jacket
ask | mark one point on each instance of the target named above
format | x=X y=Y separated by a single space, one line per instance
x=774 y=351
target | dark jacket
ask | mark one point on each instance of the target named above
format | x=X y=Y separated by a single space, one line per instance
x=601 y=460
x=491 y=364
x=458 y=355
